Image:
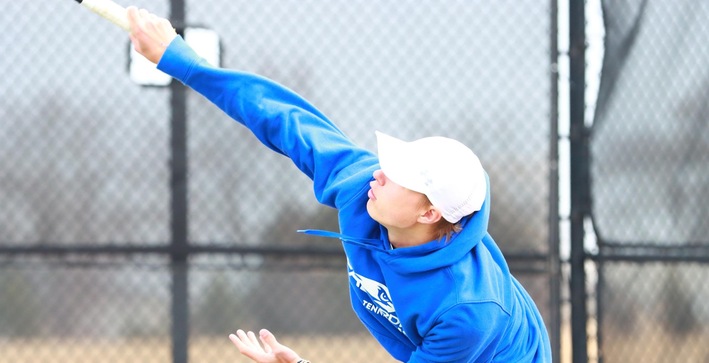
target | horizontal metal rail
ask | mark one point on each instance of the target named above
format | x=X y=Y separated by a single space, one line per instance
x=648 y=252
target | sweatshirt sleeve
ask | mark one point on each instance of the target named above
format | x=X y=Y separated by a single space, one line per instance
x=281 y=119
x=467 y=333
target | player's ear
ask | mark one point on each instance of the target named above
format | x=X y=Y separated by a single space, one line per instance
x=430 y=215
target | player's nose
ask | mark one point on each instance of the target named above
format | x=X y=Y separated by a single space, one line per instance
x=379 y=176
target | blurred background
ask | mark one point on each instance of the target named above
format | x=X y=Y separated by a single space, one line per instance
x=138 y=223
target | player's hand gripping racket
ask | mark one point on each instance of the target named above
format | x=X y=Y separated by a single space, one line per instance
x=109 y=10
x=151 y=37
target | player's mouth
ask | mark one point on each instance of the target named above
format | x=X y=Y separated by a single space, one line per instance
x=371 y=195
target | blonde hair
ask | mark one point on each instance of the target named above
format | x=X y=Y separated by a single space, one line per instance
x=447 y=229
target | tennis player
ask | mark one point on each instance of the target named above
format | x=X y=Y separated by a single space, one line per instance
x=425 y=277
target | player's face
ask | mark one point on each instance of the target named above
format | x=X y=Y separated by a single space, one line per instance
x=393 y=205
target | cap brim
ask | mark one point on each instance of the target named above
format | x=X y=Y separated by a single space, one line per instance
x=397 y=160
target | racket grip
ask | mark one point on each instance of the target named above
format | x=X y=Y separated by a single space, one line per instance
x=108 y=10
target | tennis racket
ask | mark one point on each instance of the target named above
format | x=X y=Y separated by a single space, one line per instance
x=109 y=10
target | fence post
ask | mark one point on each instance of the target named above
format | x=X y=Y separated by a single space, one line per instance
x=179 y=205
x=579 y=173
x=553 y=260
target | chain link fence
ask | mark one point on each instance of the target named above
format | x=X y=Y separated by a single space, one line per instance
x=650 y=174
x=112 y=248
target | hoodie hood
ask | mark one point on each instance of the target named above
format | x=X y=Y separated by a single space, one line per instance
x=429 y=256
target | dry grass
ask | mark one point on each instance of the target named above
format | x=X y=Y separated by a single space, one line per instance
x=645 y=344
x=650 y=343
x=202 y=350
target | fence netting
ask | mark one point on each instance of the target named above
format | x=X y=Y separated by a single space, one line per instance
x=86 y=262
x=650 y=174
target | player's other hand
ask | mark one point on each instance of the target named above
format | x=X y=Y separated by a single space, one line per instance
x=149 y=33
x=271 y=352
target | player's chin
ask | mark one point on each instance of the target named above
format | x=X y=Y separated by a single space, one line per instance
x=372 y=209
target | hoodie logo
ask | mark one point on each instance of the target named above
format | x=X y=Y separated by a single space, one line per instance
x=380 y=303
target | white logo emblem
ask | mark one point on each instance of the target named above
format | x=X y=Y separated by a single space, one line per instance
x=381 y=303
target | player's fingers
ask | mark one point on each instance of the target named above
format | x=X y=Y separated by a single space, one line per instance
x=252 y=338
x=234 y=339
x=136 y=18
x=242 y=341
x=243 y=337
x=159 y=29
x=249 y=339
x=132 y=12
x=133 y=18
x=269 y=339
x=244 y=344
x=153 y=21
x=135 y=28
x=140 y=16
x=167 y=27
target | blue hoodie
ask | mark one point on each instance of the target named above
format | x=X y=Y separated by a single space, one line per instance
x=443 y=301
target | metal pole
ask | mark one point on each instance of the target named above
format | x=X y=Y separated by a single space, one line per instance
x=579 y=173
x=179 y=205
x=554 y=265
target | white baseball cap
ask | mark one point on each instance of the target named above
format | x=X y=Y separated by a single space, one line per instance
x=443 y=169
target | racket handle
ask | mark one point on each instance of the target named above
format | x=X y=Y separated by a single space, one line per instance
x=109 y=10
